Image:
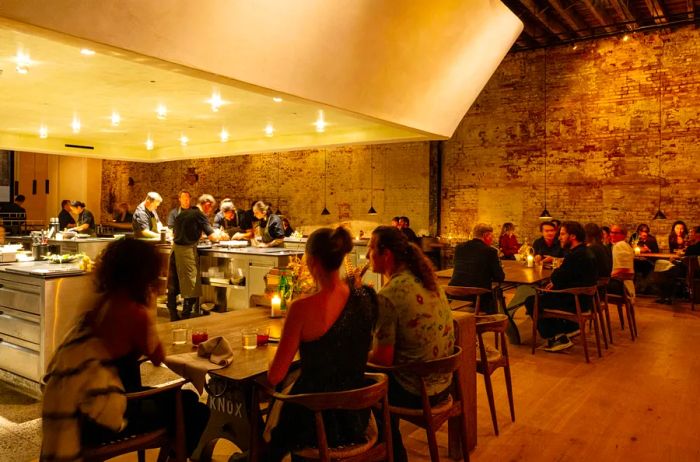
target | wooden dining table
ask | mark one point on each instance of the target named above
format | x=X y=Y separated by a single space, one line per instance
x=231 y=389
x=516 y=273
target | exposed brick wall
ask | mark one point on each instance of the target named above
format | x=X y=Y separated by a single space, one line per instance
x=401 y=181
x=602 y=124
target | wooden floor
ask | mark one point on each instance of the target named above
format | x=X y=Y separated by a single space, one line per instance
x=639 y=402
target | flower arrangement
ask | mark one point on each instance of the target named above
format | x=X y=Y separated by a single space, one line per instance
x=302 y=281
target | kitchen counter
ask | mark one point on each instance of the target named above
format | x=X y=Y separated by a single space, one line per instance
x=90 y=246
x=42 y=269
x=36 y=311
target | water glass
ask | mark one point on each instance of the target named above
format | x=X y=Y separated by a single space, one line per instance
x=250 y=339
x=179 y=336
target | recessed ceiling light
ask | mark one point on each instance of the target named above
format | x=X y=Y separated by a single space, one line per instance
x=87 y=52
x=269 y=130
x=277 y=99
x=149 y=144
x=116 y=119
x=75 y=124
x=23 y=61
x=215 y=101
x=320 y=123
x=43 y=132
x=162 y=111
x=184 y=140
x=223 y=135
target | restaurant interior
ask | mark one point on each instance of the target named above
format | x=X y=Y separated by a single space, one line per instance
x=451 y=113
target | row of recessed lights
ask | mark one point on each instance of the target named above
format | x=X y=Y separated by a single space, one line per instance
x=215 y=101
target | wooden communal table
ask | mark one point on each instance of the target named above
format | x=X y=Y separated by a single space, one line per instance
x=231 y=389
x=516 y=274
x=659 y=256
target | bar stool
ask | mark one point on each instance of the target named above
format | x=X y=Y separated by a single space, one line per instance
x=491 y=359
x=579 y=316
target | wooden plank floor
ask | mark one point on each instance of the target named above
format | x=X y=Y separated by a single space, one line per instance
x=640 y=401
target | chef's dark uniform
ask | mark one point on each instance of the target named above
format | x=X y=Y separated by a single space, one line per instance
x=239 y=223
x=143 y=220
x=271 y=228
x=86 y=217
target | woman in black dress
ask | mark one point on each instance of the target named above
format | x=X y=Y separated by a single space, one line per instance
x=332 y=330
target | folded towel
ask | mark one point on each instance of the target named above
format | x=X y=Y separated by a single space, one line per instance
x=217 y=349
x=191 y=367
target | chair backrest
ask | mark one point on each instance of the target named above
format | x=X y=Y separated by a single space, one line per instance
x=579 y=290
x=358 y=398
x=603 y=282
x=624 y=276
x=491 y=323
x=422 y=369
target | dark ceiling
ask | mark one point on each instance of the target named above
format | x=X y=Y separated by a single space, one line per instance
x=557 y=22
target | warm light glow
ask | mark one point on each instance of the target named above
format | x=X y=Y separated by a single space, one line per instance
x=320 y=123
x=574 y=47
x=161 y=112
x=116 y=119
x=149 y=144
x=87 y=52
x=625 y=38
x=184 y=140
x=75 y=124
x=23 y=61
x=223 y=135
x=637 y=250
x=215 y=101
x=269 y=130
x=277 y=99
x=43 y=132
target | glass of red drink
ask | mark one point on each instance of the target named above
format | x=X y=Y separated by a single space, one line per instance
x=263 y=334
x=199 y=336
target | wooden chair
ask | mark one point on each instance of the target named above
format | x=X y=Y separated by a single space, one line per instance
x=430 y=417
x=491 y=359
x=624 y=300
x=373 y=395
x=159 y=438
x=693 y=264
x=462 y=292
x=579 y=316
x=604 y=309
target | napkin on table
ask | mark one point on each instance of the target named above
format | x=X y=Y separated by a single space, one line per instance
x=218 y=350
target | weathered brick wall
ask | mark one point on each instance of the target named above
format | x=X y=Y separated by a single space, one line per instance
x=401 y=181
x=603 y=143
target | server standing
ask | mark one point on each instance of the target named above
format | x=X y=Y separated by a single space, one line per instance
x=183 y=276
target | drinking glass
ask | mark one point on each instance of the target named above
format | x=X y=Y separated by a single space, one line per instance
x=250 y=339
x=199 y=336
x=263 y=335
x=179 y=336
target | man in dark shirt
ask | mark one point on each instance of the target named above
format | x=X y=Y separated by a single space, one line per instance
x=233 y=221
x=65 y=219
x=600 y=253
x=405 y=226
x=183 y=276
x=476 y=264
x=185 y=203
x=577 y=270
x=693 y=250
x=547 y=246
x=145 y=220
x=14 y=215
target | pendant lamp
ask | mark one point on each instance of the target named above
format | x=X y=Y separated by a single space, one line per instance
x=325 y=177
x=371 y=210
x=545 y=215
x=278 y=212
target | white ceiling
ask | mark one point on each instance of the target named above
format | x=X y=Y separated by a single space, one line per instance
x=62 y=84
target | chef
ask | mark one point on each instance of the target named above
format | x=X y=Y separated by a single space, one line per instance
x=185 y=203
x=232 y=220
x=65 y=219
x=184 y=271
x=269 y=226
x=145 y=220
x=86 y=221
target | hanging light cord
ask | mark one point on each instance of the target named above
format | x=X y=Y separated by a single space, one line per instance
x=545 y=128
x=371 y=176
x=661 y=95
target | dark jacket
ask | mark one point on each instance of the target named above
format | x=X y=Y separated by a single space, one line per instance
x=603 y=259
x=477 y=265
x=541 y=248
x=577 y=270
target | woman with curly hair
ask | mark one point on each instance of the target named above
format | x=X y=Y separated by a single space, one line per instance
x=678 y=237
x=414 y=322
x=98 y=362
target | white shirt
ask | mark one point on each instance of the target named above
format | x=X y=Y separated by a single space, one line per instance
x=623 y=258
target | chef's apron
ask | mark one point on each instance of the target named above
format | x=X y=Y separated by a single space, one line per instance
x=265 y=234
x=187 y=264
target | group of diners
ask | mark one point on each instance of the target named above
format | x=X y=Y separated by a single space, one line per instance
x=583 y=256
x=335 y=331
x=404 y=224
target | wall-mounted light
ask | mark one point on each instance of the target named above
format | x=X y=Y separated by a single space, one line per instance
x=116 y=119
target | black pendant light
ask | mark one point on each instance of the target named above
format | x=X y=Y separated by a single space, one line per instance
x=371 y=210
x=545 y=215
x=34 y=180
x=660 y=215
x=325 y=176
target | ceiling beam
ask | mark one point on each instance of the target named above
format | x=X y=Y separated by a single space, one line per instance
x=544 y=20
x=570 y=18
x=657 y=11
x=600 y=15
x=624 y=13
x=531 y=40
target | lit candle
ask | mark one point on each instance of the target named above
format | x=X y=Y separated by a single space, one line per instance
x=530 y=261
x=275 y=306
x=637 y=250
